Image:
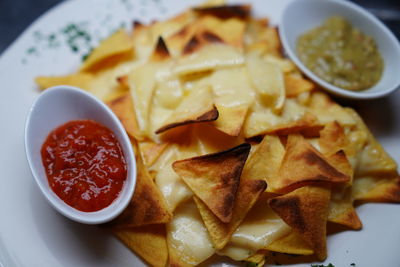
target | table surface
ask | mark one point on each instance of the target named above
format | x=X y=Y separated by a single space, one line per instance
x=15 y=16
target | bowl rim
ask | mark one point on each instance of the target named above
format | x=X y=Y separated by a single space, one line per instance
x=118 y=205
x=325 y=85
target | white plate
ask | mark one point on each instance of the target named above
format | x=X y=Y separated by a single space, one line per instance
x=33 y=234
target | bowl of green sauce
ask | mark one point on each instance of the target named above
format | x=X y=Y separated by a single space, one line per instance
x=342 y=47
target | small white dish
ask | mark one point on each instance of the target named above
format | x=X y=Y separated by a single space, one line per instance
x=56 y=106
x=302 y=15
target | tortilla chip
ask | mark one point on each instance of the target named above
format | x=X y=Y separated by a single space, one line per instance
x=268 y=80
x=295 y=85
x=174 y=190
x=123 y=108
x=150 y=151
x=230 y=31
x=231 y=118
x=264 y=163
x=200 y=57
x=160 y=52
x=188 y=241
x=215 y=178
x=225 y=11
x=257 y=259
x=81 y=80
x=373 y=159
x=247 y=195
x=109 y=52
x=333 y=139
x=303 y=163
x=260 y=227
x=291 y=243
x=147 y=205
x=328 y=111
x=377 y=189
x=149 y=242
x=341 y=210
x=306 y=211
x=293 y=118
x=196 y=107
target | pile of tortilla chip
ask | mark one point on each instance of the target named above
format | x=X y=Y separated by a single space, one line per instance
x=238 y=153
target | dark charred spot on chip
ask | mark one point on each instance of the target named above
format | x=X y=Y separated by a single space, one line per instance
x=257 y=186
x=160 y=51
x=193 y=45
x=226 y=207
x=226 y=11
x=289 y=206
x=210 y=115
x=314 y=159
x=137 y=24
x=210 y=37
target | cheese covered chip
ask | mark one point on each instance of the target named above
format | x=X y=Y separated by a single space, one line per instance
x=111 y=51
x=198 y=106
x=215 y=178
x=306 y=211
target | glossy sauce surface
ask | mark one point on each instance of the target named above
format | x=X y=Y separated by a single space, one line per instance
x=84 y=164
x=341 y=55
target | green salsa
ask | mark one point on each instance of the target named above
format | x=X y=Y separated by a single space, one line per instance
x=341 y=55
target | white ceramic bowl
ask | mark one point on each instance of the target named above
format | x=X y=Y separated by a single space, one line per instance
x=303 y=15
x=56 y=106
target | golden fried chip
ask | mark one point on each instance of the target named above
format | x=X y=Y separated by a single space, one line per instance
x=230 y=31
x=333 y=139
x=231 y=118
x=295 y=85
x=199 y=56
x=147 y=205
x=81 y=80
x=341 y=210
x=111 y=51
x=160 y=52
x=248 y=193
x=268 y=80
x=328 y=111
x=225 y=11
x=215 y=178
x=188 y=241
x=291 y=243
x=149 y=242
x=264 y=163
x=373 y=159
x=150 y=151
x=293 y=118
x=123 y=108
x=377 y=188
x=306 y=211
x=198 y=106
x=258 y=258
x=303 y=163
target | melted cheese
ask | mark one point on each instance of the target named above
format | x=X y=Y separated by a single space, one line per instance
x=174 y=190
x=263 y=120
x=188 y=235
x=209 y=58
x=261 y=227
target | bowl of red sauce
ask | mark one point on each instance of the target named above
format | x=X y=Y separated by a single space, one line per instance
x=80 y=155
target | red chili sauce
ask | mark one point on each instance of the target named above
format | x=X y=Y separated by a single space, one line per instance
x=85 y=165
